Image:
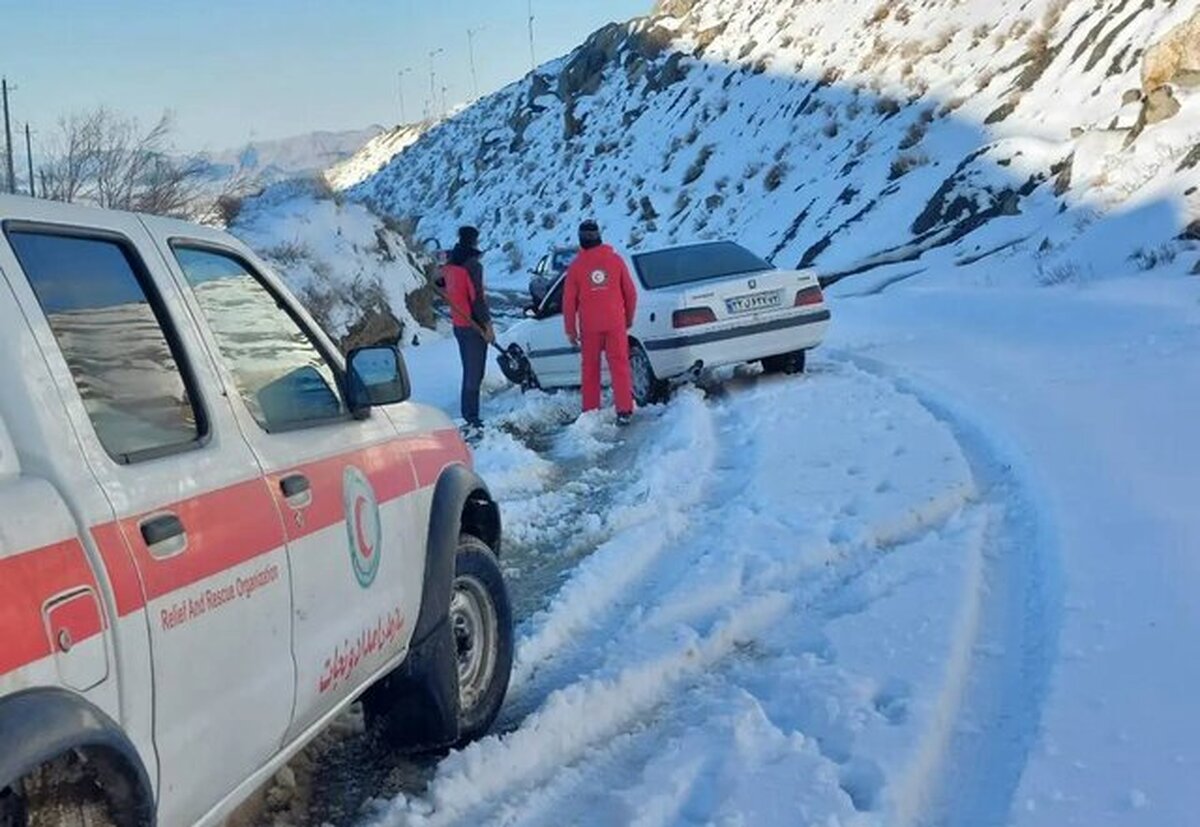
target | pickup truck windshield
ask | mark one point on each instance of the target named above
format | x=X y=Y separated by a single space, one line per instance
x=699 y=262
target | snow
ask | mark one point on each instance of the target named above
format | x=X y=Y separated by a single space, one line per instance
x=945 y=578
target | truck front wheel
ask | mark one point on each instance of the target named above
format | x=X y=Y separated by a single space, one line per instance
x=481 y=621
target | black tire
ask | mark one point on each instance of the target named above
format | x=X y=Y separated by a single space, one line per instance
x=648 y=389
x=63 y=793
x=787 y=363
x=481 y=621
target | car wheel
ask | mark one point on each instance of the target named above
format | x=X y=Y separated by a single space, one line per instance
x=789 y=363
x=481 y=622
x=648 y=389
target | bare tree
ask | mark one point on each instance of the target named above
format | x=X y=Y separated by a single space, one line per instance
x=103 y=158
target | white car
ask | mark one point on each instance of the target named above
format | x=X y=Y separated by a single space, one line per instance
x=699 y=306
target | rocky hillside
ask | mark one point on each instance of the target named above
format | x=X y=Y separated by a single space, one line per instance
x=840 y=134
x=351 y=267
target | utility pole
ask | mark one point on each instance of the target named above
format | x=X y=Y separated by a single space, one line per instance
x=433 y=80
x=444 y=108
x=471 y=53
x=29 y=159
x=402 y=73
x=8 y=148
x=532 y=53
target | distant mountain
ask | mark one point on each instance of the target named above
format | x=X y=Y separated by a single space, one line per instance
x=297 y=156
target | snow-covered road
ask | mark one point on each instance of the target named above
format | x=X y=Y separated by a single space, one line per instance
x=940 y=580
x=777 y=619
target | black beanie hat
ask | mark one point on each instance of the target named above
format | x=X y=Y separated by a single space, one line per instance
x=589 y=234
x=468 y=236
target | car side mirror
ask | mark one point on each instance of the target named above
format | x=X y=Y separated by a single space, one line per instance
x=376 y=376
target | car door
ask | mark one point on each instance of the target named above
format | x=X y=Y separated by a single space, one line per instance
x=342 y=483
x=197 y=538
x=555 y=361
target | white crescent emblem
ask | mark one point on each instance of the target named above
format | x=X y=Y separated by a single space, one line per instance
x=599 y=277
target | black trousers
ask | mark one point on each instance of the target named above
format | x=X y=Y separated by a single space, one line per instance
x=473 y=350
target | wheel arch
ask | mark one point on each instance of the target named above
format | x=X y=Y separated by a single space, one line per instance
x=39 y=726
x=419 y=699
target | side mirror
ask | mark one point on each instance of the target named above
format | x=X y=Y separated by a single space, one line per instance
x=376 y=376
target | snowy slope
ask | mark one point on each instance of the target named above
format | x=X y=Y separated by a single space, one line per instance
x=373 y=155
x=350 y=267
x=835 y=132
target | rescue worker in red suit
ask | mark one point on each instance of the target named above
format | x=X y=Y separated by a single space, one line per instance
x=599 y=301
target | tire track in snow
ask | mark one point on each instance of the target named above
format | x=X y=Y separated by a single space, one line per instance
x=1006 y=672
x=590 y=713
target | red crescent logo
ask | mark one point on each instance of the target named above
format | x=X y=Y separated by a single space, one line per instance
x=363 y=544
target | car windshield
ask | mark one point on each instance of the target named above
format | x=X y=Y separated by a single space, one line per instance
x=683 y=265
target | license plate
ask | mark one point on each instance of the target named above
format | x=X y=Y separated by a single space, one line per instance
x=752 y=302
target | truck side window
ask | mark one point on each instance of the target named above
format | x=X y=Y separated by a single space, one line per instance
x=281 y=375
x=109 y=325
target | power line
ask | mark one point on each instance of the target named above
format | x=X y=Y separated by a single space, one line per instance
x=8 y=147
x=433 y=81
x=29 y=159
x=532 y=53
x=402 y=73
x=471 y=53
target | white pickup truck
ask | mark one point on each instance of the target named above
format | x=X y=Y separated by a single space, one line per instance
x=215 y=532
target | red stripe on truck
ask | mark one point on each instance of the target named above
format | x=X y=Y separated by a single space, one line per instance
x=28 y=581
x=225 y=528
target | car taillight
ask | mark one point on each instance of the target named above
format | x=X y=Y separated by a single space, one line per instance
x=809 y=296
x=692 y=316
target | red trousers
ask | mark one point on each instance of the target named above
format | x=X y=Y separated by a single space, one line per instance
x=615 y=345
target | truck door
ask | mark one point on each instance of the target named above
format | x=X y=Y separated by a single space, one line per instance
x=345 y=486
x=192 y=508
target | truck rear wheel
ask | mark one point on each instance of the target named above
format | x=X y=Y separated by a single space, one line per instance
x=481 y=621
x=63 y=793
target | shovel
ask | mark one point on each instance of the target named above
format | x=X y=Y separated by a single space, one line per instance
x=512 y=361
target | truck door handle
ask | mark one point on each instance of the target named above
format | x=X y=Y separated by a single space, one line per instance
x=296 y=489
x=164 y=535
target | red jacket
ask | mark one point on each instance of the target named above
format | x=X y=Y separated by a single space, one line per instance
x=599 y=294
x=465 y=296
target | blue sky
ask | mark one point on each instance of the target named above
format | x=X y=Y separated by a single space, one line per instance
x=232 y=71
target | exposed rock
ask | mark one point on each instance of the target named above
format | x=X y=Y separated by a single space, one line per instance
x=1159 y=106
x=1190 y=160
x=674 y=8
x=1131 y=96
x=1175 y=58
x=1191 y=232
x=1196 y=269
x=705 y=38
x=647 y=208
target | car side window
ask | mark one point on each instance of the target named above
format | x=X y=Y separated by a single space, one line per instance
x=552 y=305
x=281 y=375
x=116 y=339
